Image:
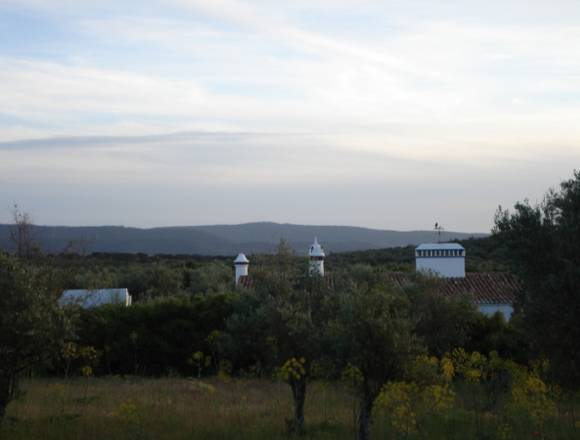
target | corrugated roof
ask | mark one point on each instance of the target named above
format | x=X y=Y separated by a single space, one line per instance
x=485 y=288
x=94 y=298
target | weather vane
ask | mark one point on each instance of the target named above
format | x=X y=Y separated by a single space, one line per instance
x=439 y=229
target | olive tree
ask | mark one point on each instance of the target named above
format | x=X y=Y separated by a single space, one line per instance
x=543 y=243
x=280 y=325
x=32 y=326
x=372 y=334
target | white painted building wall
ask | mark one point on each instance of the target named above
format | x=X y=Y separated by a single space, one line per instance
x=442 y=259
x=317 y=255
x=241 y=264
x=490 y=309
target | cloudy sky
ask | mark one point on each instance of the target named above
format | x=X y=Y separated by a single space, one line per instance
x=388 y=114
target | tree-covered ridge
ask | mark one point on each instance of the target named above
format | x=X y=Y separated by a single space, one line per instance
x=215 y=239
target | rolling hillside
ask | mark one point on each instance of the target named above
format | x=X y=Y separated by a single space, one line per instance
x=220 y=239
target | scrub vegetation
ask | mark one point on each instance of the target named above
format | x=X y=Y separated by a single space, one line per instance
x=349 y=355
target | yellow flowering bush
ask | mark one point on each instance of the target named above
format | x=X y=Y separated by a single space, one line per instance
x=437 y=398
x=293 y=369
x=409 y=403
x=429 y=370
x=396 y=398
x=69 y=351
x=199 y=361
x=447 y=369
x=87 y=371
x=530 y=396
x=72 y=352
x=469 y=366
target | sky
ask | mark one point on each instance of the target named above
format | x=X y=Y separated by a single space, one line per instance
x=385 y=114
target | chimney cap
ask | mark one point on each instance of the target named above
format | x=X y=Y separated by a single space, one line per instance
x=241 y=259
x=316 y=249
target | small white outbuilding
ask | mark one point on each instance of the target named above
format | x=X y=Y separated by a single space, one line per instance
x=96 y=297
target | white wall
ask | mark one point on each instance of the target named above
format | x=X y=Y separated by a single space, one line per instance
x=447 y=267
x=491 y=309
x=241 y=270
x=317 y=267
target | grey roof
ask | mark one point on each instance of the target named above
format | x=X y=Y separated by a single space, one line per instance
x=439 y=246
x=94 y=298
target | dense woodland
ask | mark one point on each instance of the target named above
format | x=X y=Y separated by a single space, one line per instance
x=189 y=320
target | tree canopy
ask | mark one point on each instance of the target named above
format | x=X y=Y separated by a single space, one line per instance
x=32 y=327
x=544 y=249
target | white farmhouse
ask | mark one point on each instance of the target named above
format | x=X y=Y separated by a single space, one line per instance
x=492 y=292
x=94 y=298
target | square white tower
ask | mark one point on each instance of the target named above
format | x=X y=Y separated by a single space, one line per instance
x=446 y=260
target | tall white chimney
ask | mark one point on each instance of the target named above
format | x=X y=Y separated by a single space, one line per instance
x=241 y=264
x=316 y=254
x=446 y=260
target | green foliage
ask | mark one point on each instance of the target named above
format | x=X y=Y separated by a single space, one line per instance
x=155 y=337
x=441 y=322
x=372 y=332
x=32 y=327
x=146 y=277
x=395 y=259
x=544 y=249
x=494 y=333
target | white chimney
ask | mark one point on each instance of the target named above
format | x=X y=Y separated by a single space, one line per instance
x=241 y=264
x=446 y=260
x=316 y=255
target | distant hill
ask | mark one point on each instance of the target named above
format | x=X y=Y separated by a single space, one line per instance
x=220 y=239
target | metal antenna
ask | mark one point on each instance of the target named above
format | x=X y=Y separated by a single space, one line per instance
x=439 y=229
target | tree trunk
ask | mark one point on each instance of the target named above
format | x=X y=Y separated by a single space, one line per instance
x=6 y=392
x=364 y=417
x=296 y=425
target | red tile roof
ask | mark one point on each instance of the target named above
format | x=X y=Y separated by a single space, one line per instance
x=485 y=288
x=245 y=281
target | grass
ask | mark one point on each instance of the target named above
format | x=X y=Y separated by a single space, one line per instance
x=115 y=408
x=177 y=408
